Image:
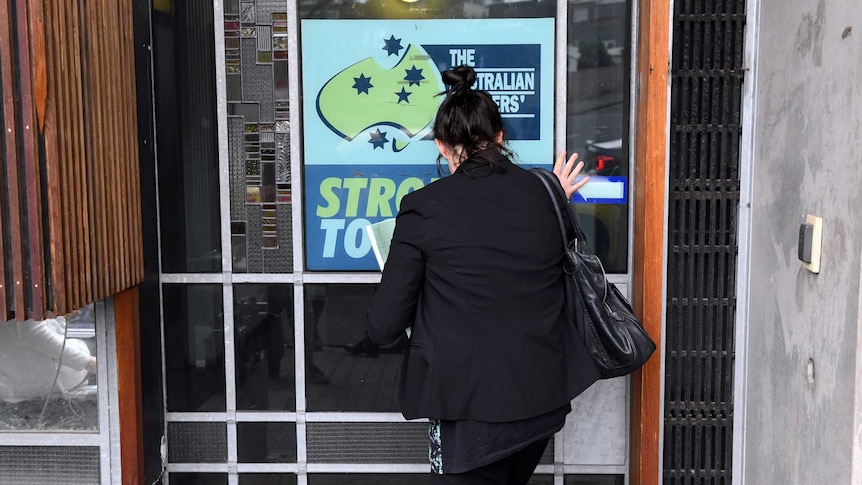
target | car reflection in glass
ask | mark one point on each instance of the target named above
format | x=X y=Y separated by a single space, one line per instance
x=604 y=157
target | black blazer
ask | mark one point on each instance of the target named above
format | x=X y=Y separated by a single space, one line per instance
x=475 y=268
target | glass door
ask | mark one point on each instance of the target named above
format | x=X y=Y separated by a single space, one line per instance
x=273 y=153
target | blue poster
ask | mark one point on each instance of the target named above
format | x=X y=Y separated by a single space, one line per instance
x=369 y=106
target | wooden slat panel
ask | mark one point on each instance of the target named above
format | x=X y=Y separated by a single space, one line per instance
x=116 y=162
x=14 y=247
x=76 y=187
x=93 y=168
x=68 y=113
x=38 y=61
x=9 y=141
x=81 y=192
x=8 y=119
x=32 y=280
x=115 y=197
x=120 y=203
x=132 y=216
x=71 y=155
x=54 y=90
x=105 y=144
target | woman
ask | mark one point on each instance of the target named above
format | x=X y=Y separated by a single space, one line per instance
x=475 y=270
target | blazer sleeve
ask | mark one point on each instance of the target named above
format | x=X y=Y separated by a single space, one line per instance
x=393 y=307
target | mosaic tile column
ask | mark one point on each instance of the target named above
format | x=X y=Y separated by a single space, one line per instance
x=258 y=136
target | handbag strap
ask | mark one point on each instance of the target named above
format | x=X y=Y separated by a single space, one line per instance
x=561 y=203
x=555 y=191
x=550 y=181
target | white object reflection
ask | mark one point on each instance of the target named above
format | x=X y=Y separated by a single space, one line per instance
x=37 y=359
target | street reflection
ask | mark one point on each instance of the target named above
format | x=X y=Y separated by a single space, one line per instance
x=347 y=376
x=263 y=336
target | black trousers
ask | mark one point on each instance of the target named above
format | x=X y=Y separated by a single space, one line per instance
x=515 y=469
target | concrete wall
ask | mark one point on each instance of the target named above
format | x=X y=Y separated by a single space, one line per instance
x=802 y=371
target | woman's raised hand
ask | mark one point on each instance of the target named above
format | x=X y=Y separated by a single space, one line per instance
x=567 y=171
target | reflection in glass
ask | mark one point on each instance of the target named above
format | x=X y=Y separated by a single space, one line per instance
x=266 y=442
x=338 y=379
x=48 y=373
x=424 y=9
x=186 y=137
x=194 y=347
x=198 y=478
x=263 y=339
x=599 y=57
x=267 y=479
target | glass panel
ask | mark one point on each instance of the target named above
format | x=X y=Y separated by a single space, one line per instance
x=594 y=480
x=194 y=347
x=48 y=374
x=186 y=136
x=338 y=379
x=266 y=479
x=258 y=136
x=198 y=479
x=599 y=58
x=369 y=111
x=367 y=479
x=263 y=339
x=266 y=442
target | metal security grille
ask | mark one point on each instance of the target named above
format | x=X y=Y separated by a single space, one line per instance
x=367 y=442
x=376 y=443
x=197 y=442
x=707 y=75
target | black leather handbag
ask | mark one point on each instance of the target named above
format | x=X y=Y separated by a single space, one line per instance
x=615 y=338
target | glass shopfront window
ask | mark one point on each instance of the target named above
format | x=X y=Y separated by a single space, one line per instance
x=184 y=81
x=264 y=347
x=329 y=104
x=368 y=107
x=48 y=379
x=266 y=479
x=266 y=442
x=343 y=373
x=58 y=393
x=194 y=347
x=199 y=479
x=597 y=73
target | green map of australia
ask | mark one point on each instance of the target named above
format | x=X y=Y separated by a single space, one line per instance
x=366 y=95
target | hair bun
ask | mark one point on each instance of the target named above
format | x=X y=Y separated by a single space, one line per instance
x=459 y=78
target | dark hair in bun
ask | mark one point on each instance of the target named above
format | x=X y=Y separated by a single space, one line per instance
x=470 y=118
x=460 y=78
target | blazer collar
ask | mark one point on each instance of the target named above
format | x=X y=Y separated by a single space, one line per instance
x=474 y=166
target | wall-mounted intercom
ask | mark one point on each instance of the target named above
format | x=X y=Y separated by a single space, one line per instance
x=810 y=237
